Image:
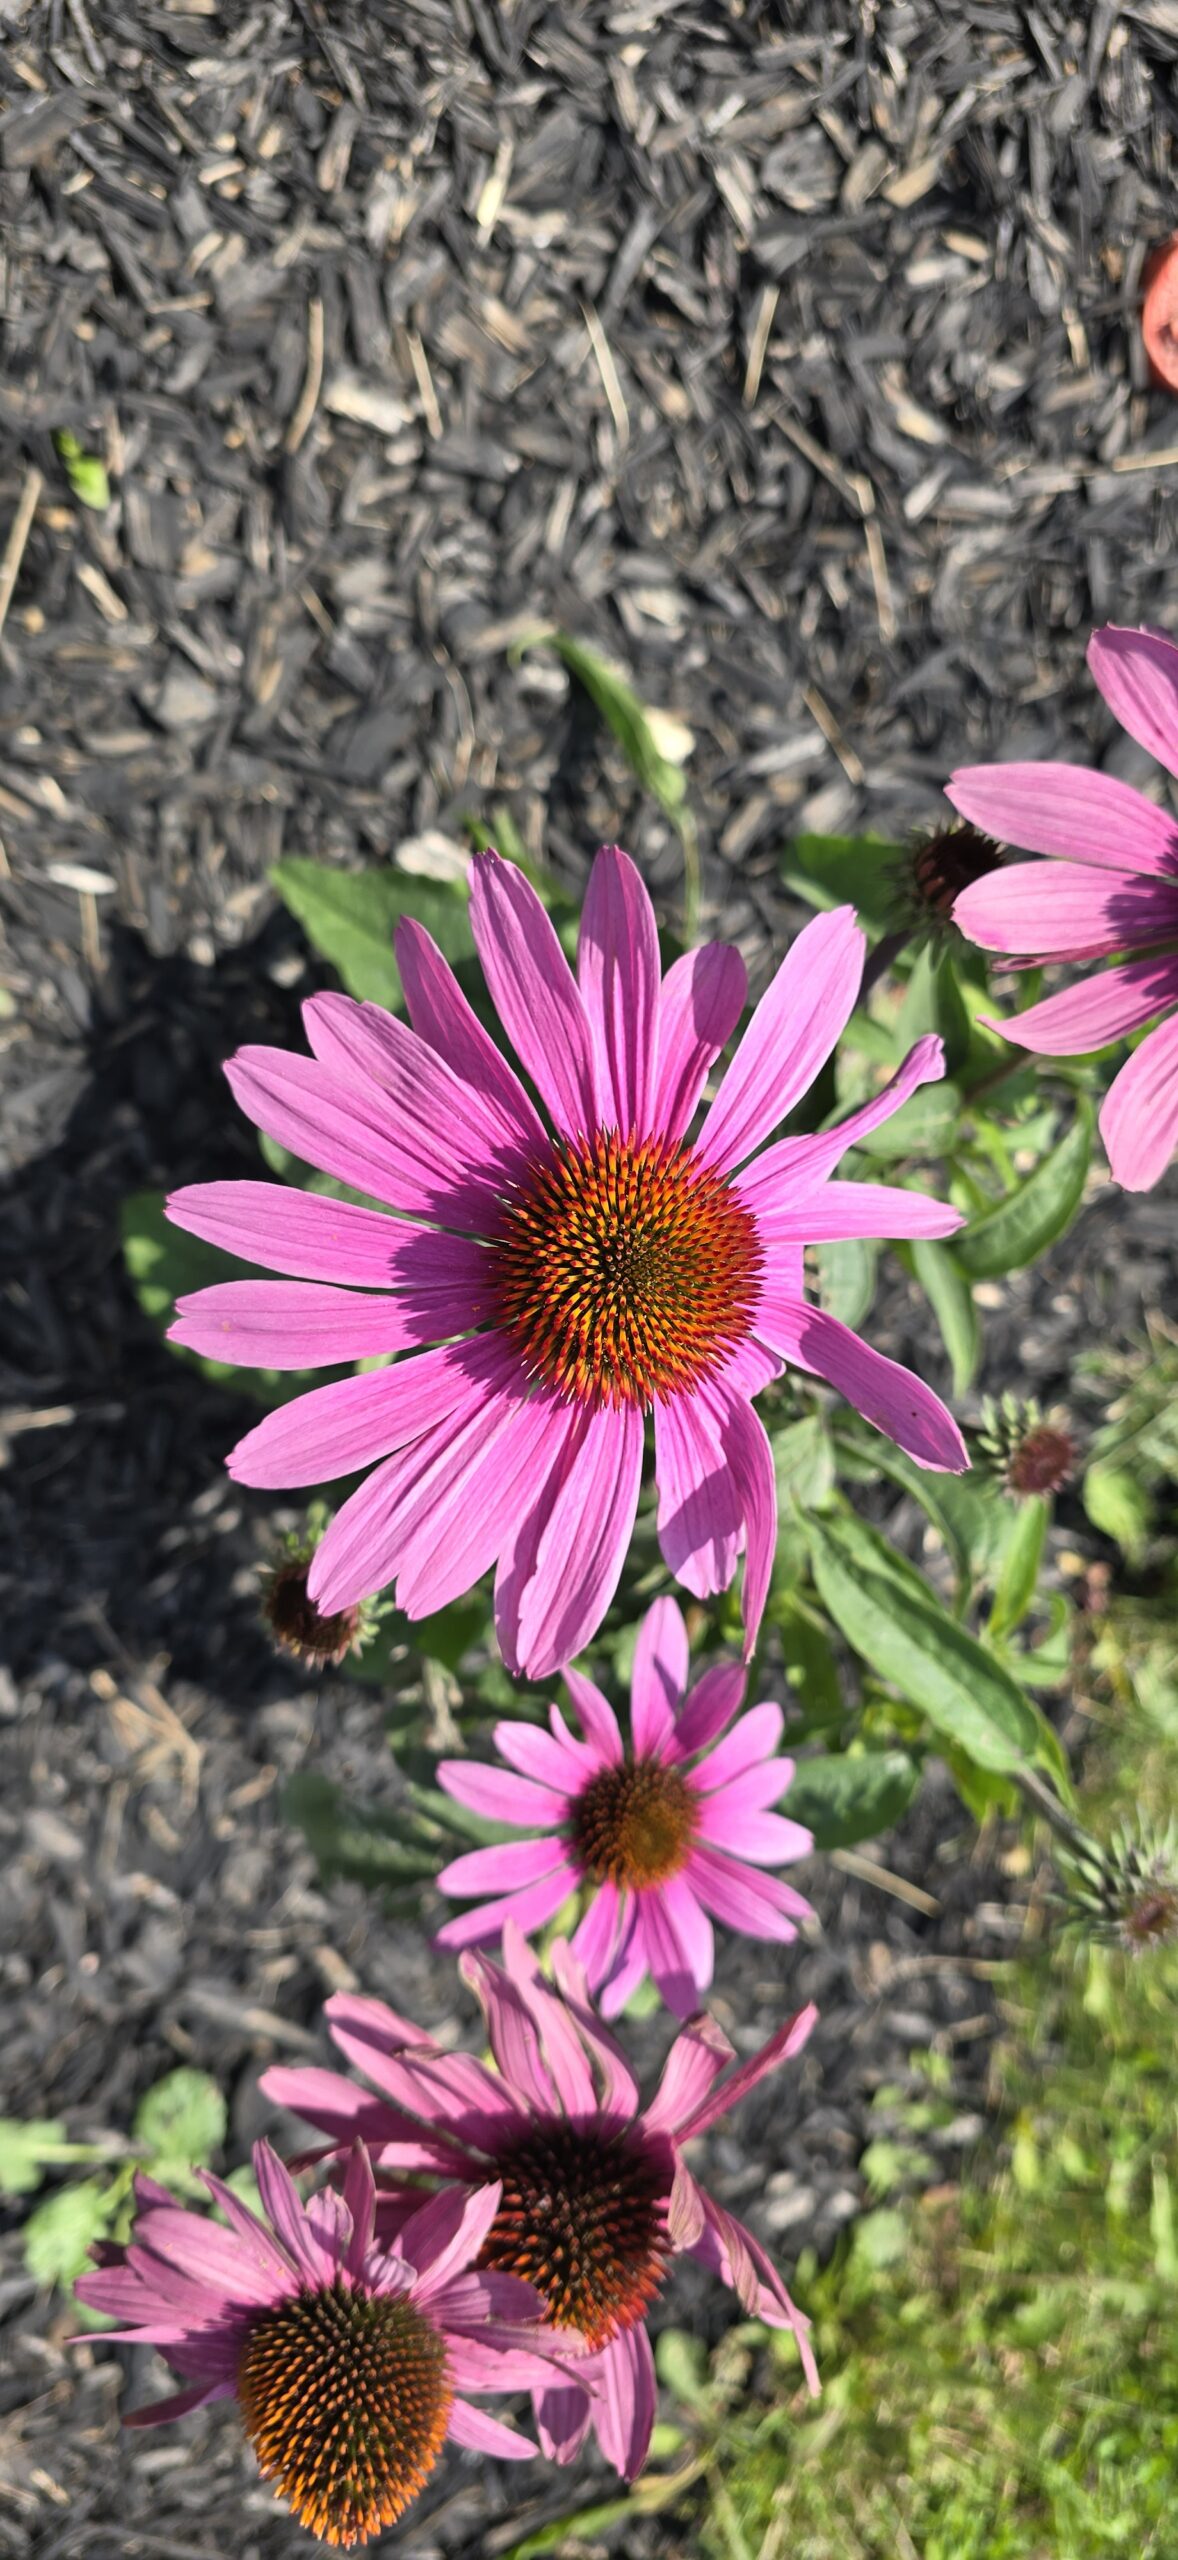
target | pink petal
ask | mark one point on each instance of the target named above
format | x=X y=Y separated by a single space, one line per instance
x=1096 y=1011
x=359 y=2204
x=756 y=1905
x=345 y=1126
x=618 y=974
x=698 y=1509
x=596 y=1935
x=564 y=2052
x=886 y=1394
x=619 y=2101
x=735 y=2254
x=703 y=997
x=625 y=2400
x=469 y=1498
x=745 y=1832
x=667 y=1960
x=534 y=992
x=157 y=2413
x=446 y=2234
x=709 y=1707
x=782 y=2046
x=513 y=2034
x=556 y=1582
x=1139 y=1121
x=838 y=1209
x=1066 y=907
x=791 y=1035
x=750 y=1743
x=628 y=1967
x=502 y=1869
x=330 y=2102
x=298 y=1324
x=500 y=1794
x=1137 y=672
x=1065 y=809
x=791 y=1170
x=442 y=1017
x=313 y=1238
x=431 y=1106
x=474 y=2364
x=481 y=2433
x=531 y=1907
x=697 y=2059
x=282 y=2206
x=750 y=1459
x=555 y=1761
x=693 y=1931
x=562 y=2413
x=335 y=1430
x=597 y=1721
x=658 y=1679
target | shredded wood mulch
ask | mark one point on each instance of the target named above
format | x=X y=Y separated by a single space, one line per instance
x=790 y=354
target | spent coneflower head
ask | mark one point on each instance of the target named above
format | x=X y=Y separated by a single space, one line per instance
x=1124 y=1891
x=927 y=878
x=350 y=2360
x=294 y=1623
x=1028 y=1453
x=662 y=1831
x=596 y=2196
x=558 y=1274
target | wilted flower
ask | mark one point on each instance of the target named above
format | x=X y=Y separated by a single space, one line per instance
x=596 y=2193
x=931 y=873
x=662 y=1831
x=1028 y=1453
x=295 y=1625
x=1126 y=1891
x=579 y=1274
x=350 y=2360
x=1116 y=892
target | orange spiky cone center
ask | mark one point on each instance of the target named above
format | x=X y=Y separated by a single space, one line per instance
x=582 y=2218
x=345 y=2398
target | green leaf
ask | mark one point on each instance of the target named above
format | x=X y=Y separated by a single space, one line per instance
x=803 y=1463
x=839 y=871
x=846 y=1278
x=58 y=2236
x=449 y=1633
x=809 y=1665
x=967 y=1511
x=898 y=1626
x=846 y=1796
x=624 y=714
x=949 y=1295
x=933 y=1002
x=1016 y=1230
x=27 y=2148
x=925 y=1126
x=163 y=1264
x=351 y=917
x=84 y=471
x=1018 y=1572
x=181 y=2120
x=1120 y=1506
x=353 y=1841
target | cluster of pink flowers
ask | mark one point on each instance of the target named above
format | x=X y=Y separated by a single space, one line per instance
x=574 y=1252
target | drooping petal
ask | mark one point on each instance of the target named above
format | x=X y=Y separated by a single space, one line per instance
x=697 y=2059
x=312 y=1238
x=534 y=991
x=667 y=1960
x=745 y=1443
x=752 y=1741
x=792 y=1169
x=334 y=1430
x=734 y=2253
x=658 y=1679
x=703 y=997
x=780 y=2049
x=501 y=1795
x=557 y=1579
x=625 y=2399
x=838 y=1209
x=791 y=1035
x=301 y=1324
x=693 y=1932
x=709 y=1707
x=1065 y=809
x=1096 y=1011
x=698 y=1508
x=441 y=1016
x=1139 y=1120
x=481 y=2433
x=1137 y=672
x=1064 y=907
x=618 y=974
x=884 y=1392
x=596 y=1935
x=180 y=2404
x=563 y=2414
x=344 y=1125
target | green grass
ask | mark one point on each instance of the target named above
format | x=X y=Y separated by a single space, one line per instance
x=1000 y=2360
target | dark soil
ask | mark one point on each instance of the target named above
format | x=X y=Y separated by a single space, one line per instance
x=787 y=352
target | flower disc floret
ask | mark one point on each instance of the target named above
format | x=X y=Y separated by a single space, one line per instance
x=625 y=1271
x=634 y=1826
x=582 y=2218
x=345 y=2399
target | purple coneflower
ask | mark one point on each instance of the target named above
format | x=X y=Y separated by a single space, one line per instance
x=350 y=2359
x=578 y=1273
x=596 y=2193
x=661 y=1834
x=1115 y=891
